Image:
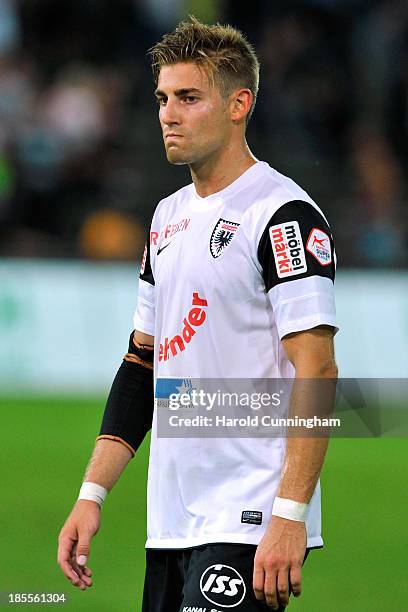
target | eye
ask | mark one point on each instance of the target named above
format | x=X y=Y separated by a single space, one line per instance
x=161 y=101
x=190 y=99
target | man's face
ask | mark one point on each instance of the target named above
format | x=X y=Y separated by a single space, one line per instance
x=193 y=115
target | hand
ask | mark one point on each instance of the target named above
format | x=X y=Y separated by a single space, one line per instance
x=278 y=562
x=74 y=542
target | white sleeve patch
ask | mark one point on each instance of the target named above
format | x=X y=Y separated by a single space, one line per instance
x=303 y=303
x=318 y=245
x=288 y=249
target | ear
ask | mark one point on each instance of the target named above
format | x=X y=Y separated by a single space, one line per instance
x=240 y=104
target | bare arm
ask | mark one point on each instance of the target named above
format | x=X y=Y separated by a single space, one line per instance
x=107 y=463
x=312 y=354
x=280 y=554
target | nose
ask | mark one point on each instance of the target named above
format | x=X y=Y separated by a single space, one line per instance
x=169 y=114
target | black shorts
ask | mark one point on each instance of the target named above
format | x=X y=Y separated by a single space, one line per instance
x=210 y=578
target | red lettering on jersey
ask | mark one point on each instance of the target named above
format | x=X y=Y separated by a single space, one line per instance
x=166 y=349
x=283 y=260
x=277 y=235
x=195 y=318
x=172 y=344
x=197 y=301
x=188 y=331
x=168 y=231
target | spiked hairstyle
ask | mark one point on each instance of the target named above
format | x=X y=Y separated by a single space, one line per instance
x=224 y=52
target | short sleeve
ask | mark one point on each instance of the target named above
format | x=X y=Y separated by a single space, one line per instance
x=144 y=317
x=297 y=256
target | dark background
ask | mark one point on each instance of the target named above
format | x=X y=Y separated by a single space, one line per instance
x=82 y=165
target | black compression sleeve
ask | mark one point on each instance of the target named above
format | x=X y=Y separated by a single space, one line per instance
x=129 y=409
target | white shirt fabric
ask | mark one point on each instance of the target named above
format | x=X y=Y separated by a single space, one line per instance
x=213 y=257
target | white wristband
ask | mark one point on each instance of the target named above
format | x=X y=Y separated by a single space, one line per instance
x=289 y=509
x=93 y=492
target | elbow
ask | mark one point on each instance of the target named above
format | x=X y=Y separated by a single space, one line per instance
x=328 y=369
x=317 y=368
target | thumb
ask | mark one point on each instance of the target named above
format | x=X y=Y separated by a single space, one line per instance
x=83 y=548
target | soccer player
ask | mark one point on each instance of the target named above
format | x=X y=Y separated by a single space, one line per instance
x=236 y=281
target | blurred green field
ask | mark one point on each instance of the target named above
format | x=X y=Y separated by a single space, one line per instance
x=45 y=444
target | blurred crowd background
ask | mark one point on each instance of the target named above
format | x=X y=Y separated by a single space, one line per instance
x=82 y=165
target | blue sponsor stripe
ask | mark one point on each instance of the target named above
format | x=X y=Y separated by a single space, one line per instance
x=166 y=386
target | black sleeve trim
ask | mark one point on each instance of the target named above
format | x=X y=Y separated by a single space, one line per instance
x=300 y=235
x=146 y=273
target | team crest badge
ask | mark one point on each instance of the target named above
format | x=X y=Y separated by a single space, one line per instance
x=222 y=235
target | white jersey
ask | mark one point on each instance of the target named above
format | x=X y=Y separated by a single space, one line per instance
x=223 y=279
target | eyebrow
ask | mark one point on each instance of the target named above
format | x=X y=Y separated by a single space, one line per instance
x=178 y=92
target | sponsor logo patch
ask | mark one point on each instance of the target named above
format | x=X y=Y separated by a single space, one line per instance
x=223 y=586
x=221 y=236
x=318 y=245
x=253 y=517
x=288 y=249
x=170 y=387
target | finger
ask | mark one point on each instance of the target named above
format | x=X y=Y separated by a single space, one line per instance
x=87 y=580
x=258 y=582
x=81 y=570
x=77 y=582
x=82 y=585
x=83 y=547
x=65 y=563
x=73 y=577
x=64 y=559
x=270 y=589
x=296 y=580
x=283 y=586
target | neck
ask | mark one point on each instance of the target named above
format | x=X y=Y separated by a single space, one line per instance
x=221 y=169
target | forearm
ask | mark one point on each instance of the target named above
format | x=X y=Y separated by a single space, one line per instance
x=107 y=463
x=303 y=463
x=313 y=394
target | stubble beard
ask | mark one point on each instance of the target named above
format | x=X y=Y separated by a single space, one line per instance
x=179 y=157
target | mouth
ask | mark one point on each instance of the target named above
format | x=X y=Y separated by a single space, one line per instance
x=167 y=136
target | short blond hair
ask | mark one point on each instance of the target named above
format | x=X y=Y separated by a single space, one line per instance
x=225 y=53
